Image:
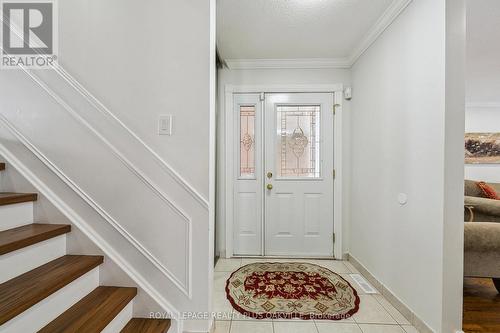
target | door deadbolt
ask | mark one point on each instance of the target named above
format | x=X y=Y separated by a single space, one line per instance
x=269 y=175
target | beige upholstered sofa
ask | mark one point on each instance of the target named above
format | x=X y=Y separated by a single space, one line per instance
x=483 y=209
x=482 y=236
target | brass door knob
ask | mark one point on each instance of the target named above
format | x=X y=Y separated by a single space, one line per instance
x=269 y=186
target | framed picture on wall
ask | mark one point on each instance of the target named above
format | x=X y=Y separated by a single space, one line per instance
x=482 y=148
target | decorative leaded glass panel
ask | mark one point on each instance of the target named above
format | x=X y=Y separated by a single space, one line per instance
x=247 y=141
x=298 y=144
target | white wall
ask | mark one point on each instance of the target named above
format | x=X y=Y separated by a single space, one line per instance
x=453 y=214
x=483 y=78
x=277 y=77
x=144 y=59
x=483 y=51
x=398 y=146
x=140 y=59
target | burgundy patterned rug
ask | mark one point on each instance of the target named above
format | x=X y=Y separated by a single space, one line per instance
x=291 y=290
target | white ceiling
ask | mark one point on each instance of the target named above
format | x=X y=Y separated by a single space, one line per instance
x=483 y=51
x=300 y=29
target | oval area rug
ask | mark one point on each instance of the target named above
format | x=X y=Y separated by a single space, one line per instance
x=288 y=290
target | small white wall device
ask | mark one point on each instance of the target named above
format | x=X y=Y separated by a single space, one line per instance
x=165 y=125
x=348 y=93
x=402 y=199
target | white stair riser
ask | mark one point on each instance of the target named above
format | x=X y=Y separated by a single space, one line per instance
x=16 y=215
x=121 y=319
x=48 y=309
x=23 y=260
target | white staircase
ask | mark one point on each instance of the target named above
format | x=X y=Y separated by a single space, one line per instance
x=42 y=289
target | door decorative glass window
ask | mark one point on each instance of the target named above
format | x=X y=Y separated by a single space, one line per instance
x=298 y=142
x=247 y=141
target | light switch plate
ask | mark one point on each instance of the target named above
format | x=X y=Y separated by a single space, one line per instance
x=165 y=125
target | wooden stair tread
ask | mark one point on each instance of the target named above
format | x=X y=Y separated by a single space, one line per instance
x=146 y=325
x=26 y=235
x=93 y=312
x=9 y=198
x=22 y=292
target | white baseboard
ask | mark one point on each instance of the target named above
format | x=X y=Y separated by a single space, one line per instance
x=405 y=310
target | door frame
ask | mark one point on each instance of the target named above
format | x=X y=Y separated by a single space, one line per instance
x=230 y=149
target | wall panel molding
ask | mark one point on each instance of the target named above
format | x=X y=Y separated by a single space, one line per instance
x=184 y=286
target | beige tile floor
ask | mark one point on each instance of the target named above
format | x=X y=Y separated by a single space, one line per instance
x=376 y=314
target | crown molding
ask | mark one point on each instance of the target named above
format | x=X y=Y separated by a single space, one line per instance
x=304 y=63
x=483 y=105
x=384 y=21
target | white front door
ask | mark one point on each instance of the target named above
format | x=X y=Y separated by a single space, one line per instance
x=299 y=174
x=283 y=179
